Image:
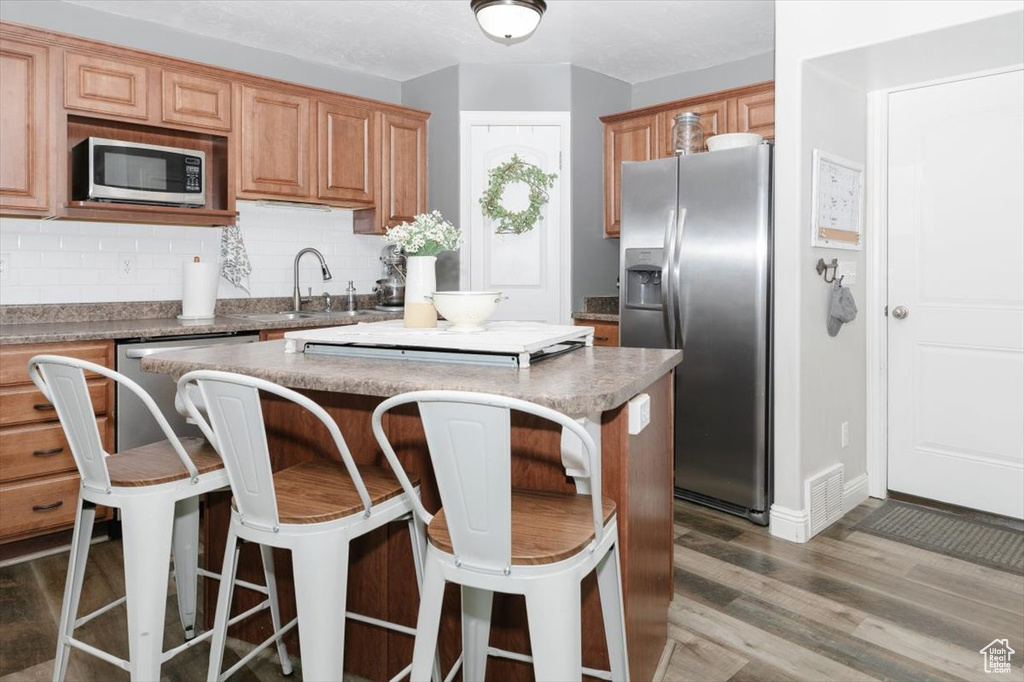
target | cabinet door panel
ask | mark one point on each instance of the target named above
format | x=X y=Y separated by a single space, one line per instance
x=275 y=150
x=713 y=120
x=404 y=182
x=630 y=140
x=346 y=151
x=23 y=126
x=755 y=113
x=196 y=100
x=105 y=86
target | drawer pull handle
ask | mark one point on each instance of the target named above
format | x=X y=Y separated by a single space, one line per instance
x=600 y=338
x=43 y=406
x=47 y=453
x=44 y=507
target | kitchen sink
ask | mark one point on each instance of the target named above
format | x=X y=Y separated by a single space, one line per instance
x=341 y=314
x=272 y=317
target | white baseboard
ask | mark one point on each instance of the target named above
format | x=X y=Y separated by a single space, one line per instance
x=795 y=524
x=789 y=524
x=855 y=491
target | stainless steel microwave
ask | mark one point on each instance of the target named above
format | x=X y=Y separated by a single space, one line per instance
x=133 y=172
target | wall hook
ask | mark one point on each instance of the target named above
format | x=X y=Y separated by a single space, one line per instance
x=822 y=269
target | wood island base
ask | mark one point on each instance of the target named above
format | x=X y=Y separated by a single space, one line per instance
x=637 y=474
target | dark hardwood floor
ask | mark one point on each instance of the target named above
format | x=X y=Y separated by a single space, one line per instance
x=844 y=606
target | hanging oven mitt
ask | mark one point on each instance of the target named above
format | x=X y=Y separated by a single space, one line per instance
x=841 y=308
x=234 y=261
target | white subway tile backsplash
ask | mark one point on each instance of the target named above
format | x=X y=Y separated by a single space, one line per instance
x=73 y=262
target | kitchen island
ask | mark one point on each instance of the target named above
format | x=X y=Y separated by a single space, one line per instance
x=591 y=383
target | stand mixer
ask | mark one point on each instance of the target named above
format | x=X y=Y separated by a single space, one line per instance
x=390 y=289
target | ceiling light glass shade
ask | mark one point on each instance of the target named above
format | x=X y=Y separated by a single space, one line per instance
x=508 y=19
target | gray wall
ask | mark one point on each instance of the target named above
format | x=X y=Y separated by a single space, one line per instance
x=514 y=87
x=692 y=83
x=595 y=260
x=438 y=93
x=152 y=37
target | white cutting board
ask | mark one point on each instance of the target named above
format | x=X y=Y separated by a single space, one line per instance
x=498 y=337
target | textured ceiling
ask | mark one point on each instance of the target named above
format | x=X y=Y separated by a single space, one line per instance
x=633 y=40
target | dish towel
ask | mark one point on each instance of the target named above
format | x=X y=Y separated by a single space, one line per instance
x=234 y=261
x=841 y=308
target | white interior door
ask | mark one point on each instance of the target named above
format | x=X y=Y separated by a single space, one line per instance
x=956 y=258
x=531 y=269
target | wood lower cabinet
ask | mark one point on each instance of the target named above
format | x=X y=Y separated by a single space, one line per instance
x=347 y=151
x=274 y=145
x=605 y=333
x=38 y=478
x=402 y=187
x=631 y=140
x=741 y=110
x=196 y=100
x=24 y=128
x=106 y=86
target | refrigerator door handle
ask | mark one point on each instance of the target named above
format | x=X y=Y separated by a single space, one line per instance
x=677 y=279
x=667 y=286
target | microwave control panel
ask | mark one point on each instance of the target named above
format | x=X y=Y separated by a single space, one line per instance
x=193 y=174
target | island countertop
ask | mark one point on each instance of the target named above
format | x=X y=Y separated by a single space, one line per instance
x=581 y=382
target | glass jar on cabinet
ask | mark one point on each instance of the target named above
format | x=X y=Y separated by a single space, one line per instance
x=687 y=134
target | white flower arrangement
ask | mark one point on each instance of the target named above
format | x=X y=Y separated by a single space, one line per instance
x=427 y=235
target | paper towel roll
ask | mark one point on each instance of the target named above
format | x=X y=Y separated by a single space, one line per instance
x=199 y=289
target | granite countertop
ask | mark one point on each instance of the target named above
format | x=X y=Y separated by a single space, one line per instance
x=599 y=309
x=46 y=332
x=596 y=317
x=581 y=382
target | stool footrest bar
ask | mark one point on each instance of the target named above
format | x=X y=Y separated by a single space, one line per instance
x=171 y=653
x=388 y=625
x=249 y=656
x=523 y=658
x=98 y=653
x=99 y=612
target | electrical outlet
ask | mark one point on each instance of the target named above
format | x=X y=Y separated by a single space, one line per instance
x=126 y=266
x=639 y=413
x=5 y=266
x=845 y=434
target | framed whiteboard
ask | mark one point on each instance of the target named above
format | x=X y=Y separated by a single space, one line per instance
x=837 y=202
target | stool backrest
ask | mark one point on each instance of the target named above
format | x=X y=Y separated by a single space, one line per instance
x=62 y=380
x=234 y=424
x=469 y=436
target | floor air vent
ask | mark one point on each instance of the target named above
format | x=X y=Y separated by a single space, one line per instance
x=825 y=498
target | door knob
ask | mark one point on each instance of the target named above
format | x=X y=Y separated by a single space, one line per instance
x=900 y=312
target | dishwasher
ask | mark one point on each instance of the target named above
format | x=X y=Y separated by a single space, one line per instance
x=135 y=424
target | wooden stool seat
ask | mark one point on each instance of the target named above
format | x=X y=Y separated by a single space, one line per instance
x=157 y=463
x=546 y=527
x=321 y=490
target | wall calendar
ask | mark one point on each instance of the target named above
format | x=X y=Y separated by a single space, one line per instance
x=837 y=212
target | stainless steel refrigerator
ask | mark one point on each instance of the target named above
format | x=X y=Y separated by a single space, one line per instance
x=695 y=273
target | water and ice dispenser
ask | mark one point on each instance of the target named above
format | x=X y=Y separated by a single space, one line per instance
x=643 y=278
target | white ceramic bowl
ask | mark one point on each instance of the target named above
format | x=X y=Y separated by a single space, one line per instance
x=466 y=310
x=717 y=143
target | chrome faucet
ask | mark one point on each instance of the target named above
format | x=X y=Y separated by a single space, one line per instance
x=297 y=299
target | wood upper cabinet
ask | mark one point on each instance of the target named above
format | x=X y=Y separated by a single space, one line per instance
x=627 y=135
x=755 y=113
x=713 y=120
x=196 y=100
x=401 y=188
x=24 y=129
x=105 y=86
x=347 y=150
x=275 y=144
x=404 y=160
x=630 y=140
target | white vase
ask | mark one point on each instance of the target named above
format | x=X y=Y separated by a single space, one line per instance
x=420 y=283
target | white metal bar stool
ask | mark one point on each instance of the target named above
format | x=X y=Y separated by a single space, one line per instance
x=490 y=538
x=157 y=489
x=315 y=509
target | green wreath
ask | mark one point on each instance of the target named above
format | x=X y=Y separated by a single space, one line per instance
x=516 y=170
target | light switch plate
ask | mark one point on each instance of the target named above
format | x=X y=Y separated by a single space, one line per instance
x=844 y=436
x=126 y=267
x=639 y=413
x=847 y=269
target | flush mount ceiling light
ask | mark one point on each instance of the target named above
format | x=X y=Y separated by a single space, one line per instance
x=508 y=21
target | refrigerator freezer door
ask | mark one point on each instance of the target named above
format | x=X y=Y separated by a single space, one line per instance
x=721 y=386
x=649 y=202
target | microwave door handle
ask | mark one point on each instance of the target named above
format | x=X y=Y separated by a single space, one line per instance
x=667 y=288
x=677 y=277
